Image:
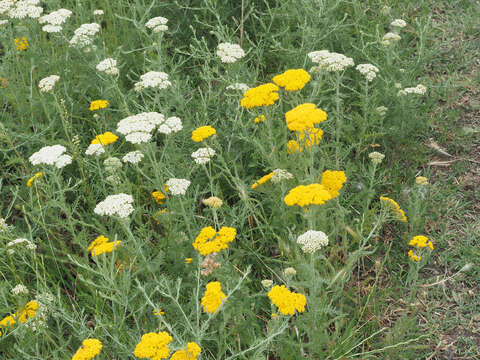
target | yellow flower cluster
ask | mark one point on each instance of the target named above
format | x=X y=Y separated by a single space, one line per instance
x=89 y=349
x=393 y=207
x=262 y=180
x=32 y=179
x=21 y=43
x=213 y=202
x=420 y=242
x=202 y=133
x=260 y=118
x=105 y=138
x=101 y=245
x=213 y=297
x=22 y=316
x=191 y=353
x=262 y=95
x=154 y=346
x=305 y=140
x=333 y=181
x=210 y=241
x=304 y=117
x=98 y=105
x=286 y=300
x=159 y=196
x=158 y=312
x=293 y=79
x=304 y=195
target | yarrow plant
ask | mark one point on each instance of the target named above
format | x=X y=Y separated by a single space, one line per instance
x=153 y=79
x=51 y=155
x=157 y=24
x=47 y=84
x=229 y=53
x=312 y=241
x=119 y=205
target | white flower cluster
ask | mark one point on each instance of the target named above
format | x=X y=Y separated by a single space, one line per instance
x=157 y=24
x=418 y=90
x=279 y=175
x=137 y=128
x=178 y=186
x=20 y=289
x=112 y=164
x=3 y=225
x=83 y=36
x=51 y=155
x=398 y=23
x=229 y=53
x=47 y=84
x=203 y=155
x=133 y=157
x=330 y=61
x=54 y=20
x=120 y=205
x=98 y=12
x=44 y=301
x=238 y=86
x=368 y=70
x=382 y=110
x=390 y=38
x=3 y=22
x=108 y=66
x=153 y=79
x=5 y=5
x=28 y=244
x=25 y=8
x=376 y=157
x=95 y=149
x=312 y=241
x=172 y=124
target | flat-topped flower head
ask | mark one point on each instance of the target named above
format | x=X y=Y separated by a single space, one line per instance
x=238 y=86
x=47 y=84
x=421 y=241
x=292 y=80
x=312 y=240
x=108 y=66
x=390 y=38
x=330 y=61
x=376 y=157
x=393 y=208
x=280 y=175
x=262 y=95
x=262 y=180
x=202 y=133
x=157 y=24
x=333 y=181
x=22 y=9
x=229 y=53
x=83 y=36
x=287 y=301
x=171 y=125
x=304 y=117
x=51 y=155
x=133 y=157
x=417 y=90
x=159 y=196
x=119 y=205
x=178 y=186
x=21 y=43
x=203 y=155
x=421 y=180
x=398 y=23
x=105 y=139
x=210 y=241
x=304 y=195
x=213 y=297
x=367 y=70
x=89 y=349
x=153 y=79
x=213 y=202
x=137 y=128
x=102 y=245
x=190 y=353
x=154 y=346
x=98 y=105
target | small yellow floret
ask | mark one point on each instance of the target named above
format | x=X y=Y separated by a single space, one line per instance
x=101 y=245
x=21 y=43
x=293 y=79
x=260 y=118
